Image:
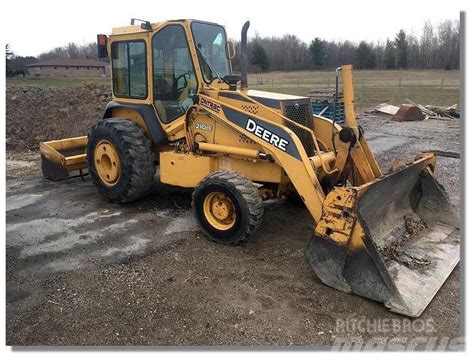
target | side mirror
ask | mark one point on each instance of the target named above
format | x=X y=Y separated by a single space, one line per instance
x=230 y=49
x=102 y=51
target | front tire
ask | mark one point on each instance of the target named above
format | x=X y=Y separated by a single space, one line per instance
x=227 y=207
x=120 y=160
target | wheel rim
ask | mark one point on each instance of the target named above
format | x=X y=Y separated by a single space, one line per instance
x=219 y=210
x=107 y=162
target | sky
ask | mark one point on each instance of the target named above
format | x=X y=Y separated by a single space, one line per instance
x=45 y=24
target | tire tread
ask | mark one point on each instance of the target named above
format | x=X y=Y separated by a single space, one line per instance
x=137 y=150
x=249 y=193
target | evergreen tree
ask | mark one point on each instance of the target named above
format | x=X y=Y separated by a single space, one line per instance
x=365 y=56
x=259 y=57
x=318 y=51
x=401 y=44
x=390 y=60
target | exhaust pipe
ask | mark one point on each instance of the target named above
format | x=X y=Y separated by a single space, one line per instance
x=243 y=57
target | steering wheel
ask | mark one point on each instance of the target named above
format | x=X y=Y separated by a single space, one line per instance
x=186 y=77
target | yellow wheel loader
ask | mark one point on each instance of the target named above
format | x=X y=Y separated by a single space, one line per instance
x=176 y=106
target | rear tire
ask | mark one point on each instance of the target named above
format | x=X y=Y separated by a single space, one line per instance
x=120 y=160
x=227 y=207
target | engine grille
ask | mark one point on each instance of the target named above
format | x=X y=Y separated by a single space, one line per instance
x=300 y=111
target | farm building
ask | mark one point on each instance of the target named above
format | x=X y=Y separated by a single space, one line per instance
x=69 y=67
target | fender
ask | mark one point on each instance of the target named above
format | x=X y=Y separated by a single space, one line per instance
x=147 y=112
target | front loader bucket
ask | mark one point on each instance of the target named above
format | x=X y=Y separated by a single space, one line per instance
x=61 y=159
x=393 y=240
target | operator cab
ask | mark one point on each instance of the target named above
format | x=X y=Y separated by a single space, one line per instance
x=185 y=55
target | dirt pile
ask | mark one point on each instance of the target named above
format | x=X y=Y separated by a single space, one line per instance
x=395 y=250
x=34 y=114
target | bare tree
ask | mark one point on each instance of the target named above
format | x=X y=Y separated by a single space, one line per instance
x=437 y=47
x=379 y=51
x=414 y=56
x=428 y=44
x=72 y=51
x=447 y=47
x=8 y=56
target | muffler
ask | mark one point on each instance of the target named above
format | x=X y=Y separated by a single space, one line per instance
x=244 y=85
x=395 y=239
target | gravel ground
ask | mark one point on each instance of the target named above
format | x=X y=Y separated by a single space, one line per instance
x=81 y=271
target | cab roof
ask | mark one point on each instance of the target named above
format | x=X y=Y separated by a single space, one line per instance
x=129 y=29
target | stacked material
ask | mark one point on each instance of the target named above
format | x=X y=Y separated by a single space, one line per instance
x=324 y=104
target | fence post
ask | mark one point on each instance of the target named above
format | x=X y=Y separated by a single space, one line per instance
x=442 y=88
x=393 y=95
x=400 y=82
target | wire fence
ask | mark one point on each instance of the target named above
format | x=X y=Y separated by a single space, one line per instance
x=371 y=87
x=371 y=92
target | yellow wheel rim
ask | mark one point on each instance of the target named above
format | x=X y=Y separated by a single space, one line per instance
x=219 y=211
x=107 y=162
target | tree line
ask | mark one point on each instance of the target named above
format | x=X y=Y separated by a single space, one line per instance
x=436 y=48
x=18 y=64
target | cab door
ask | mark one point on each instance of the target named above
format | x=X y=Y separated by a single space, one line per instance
x=174 y=76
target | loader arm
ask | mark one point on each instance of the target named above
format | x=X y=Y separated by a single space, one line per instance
x=366 y=167
x=276 y=140
x=393 y=238
x=347 y=144
x=353 y=154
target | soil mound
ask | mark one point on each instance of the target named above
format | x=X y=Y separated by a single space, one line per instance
x=34 y=114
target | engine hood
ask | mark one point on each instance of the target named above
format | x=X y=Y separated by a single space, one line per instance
x=274 y=100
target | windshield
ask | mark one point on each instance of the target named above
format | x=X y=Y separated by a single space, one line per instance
x=211 y=43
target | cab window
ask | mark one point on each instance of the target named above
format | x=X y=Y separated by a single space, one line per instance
x=129 y=69
x=211 y=46
x=174 y=78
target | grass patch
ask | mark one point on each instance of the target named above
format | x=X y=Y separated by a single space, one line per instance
x=372 y=87
x=427 y=87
